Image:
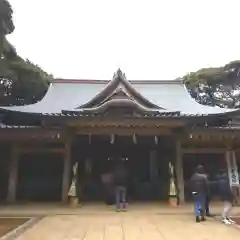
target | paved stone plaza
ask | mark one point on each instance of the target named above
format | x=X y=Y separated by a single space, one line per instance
x=140 y=222
x=128 y=227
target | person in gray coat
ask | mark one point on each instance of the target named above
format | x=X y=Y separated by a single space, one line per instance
x=226 y=195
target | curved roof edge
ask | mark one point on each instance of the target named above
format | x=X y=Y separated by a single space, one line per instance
x=94 y=81
x=69 y=94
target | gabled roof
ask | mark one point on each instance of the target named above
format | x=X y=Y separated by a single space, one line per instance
x=119 y=84
x=86 y=95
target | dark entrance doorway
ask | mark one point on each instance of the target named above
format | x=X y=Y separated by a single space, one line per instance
x=40 y=177
x=5 y=156
x=148 y=173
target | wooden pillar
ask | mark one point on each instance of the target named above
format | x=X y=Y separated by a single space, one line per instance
x=179 y=171
x=13 y=175
x=66 y=171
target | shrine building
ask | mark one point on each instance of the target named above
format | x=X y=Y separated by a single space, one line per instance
x=147 y=123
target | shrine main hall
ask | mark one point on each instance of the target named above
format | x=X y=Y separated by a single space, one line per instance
x=149 y=124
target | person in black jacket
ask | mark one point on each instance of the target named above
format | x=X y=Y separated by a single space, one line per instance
x=199 y=186
x=226 y=195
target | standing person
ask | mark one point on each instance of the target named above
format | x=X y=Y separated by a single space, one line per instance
x=226 y=195
x=120 y=183
x=199 y=186
x=208 y=198
x=107 y=180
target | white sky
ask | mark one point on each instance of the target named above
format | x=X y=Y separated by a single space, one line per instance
x=147 y=39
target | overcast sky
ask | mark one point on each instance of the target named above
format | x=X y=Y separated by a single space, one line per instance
x=148 y=39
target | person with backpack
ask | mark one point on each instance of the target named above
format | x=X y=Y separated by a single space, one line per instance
x=199 y=187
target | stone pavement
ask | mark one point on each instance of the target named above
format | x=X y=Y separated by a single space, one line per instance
x=142 y=221
x=33 y=209
x=128 y=226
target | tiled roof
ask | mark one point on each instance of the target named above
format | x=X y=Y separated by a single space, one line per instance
x=69 y=95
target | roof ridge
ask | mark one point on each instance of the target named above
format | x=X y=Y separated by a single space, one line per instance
x=95 y=81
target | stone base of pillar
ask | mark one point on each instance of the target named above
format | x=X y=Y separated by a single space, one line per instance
x=73 y=201
x=173 y=201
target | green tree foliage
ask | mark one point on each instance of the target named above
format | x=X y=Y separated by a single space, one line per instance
x=6 y=23
x=6 y=17
x=216 y=86
x=21 y=81
x=25 y=83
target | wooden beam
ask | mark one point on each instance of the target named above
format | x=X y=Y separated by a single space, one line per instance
x=114 y=121
x=31 y=134
x=42 y=150
x=106 y=122
x=66 y=171
x=217 y=132
x=127 y=131
x=179 y=172
x=13 y=175
x=203 y=150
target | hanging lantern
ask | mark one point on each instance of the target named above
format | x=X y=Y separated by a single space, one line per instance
x=134 y=139
x=112 y=139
